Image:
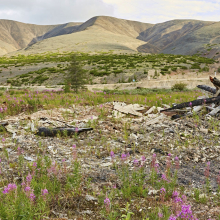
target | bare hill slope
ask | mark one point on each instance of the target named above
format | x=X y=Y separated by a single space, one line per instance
x=103 y=33
x=17 y=35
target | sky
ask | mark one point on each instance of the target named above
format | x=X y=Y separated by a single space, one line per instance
x=46 y=12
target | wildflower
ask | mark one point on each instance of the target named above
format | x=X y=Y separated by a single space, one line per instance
x=163 y=177
x=29 y=178
x=123 y=157
x=44 y=191
x=107 y=203
x=112 y=155
x=34 y=164
x=74 y=152
x=206 y=173
x=135 y=162
x=175 y=194
x=162 y=194
x=160 y=215
x=9 y=187
x=162 y=190
x=172 y=217
x=27 y=189
x=143 y=158
x=177 y=163
x=3 y=139
x=114 y=187
x=32 y=196
x=190 y=104
x=186 y=211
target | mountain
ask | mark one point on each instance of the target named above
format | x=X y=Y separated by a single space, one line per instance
x=103 y=33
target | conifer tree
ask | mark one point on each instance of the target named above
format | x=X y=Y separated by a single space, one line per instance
x=77 y=77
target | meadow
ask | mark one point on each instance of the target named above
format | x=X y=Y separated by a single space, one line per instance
x=135 y=189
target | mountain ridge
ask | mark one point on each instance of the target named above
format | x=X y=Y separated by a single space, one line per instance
x=104 y=33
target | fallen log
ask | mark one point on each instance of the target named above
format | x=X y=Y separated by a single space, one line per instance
x=194 y=103
x=207 y=88
x=52 y=132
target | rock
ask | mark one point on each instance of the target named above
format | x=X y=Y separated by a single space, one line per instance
x=90 y=198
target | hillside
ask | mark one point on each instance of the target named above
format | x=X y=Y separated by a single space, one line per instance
x=17 y=35
x=103 y=33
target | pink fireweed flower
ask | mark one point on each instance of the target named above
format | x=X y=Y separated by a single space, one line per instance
x=206 y=173
x=143 y=158
x=35 y=164
x=27 y=189
x=190 y=104
x=44 y=193
x=1 y=110
x=112 y=154
x=177 y=163
x=32 y=196
x=74 y=152
x=107 y=203
x=153 y=162
x=3 y=139
x=160 y=215
x=9 y=188
x=163 y=177
x=175 y=194
x=123 y=157
x=29 y=178
x=136 y=162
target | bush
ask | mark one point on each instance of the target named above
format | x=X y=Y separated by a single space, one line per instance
x=179 y=86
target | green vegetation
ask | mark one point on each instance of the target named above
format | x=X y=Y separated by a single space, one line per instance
x=76 y=77
x=107 y=65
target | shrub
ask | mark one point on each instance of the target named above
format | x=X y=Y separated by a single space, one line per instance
x=179 y=86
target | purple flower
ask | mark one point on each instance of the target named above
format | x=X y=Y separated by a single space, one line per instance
x=162 y=190
x=107 y=201
x=29 y=178
x=3 y=139
x=169 y=154
x=135 y=162
x=175 y=194
x=143 y=158
x=160 y=215
x=32 y=196
x=34 y=164
x=44 y=192
x=112 y=154
x=172 y=217
x=190 y=104
x=123 y=156
x=27 y=189
x=178 y=199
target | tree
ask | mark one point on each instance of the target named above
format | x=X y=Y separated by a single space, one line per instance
x=77 y=77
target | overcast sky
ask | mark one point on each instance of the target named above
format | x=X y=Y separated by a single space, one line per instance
x=149 y=11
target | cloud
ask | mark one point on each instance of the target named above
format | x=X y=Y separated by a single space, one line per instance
x=53 y=11
x=149 y=11
x=159 y=11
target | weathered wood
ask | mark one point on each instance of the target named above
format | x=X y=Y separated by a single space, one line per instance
x=42 y=131
x=207 y=88
x=194 y=103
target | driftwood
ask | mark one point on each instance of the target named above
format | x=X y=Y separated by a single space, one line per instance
x=207 y=88
x=194 y=103
x=42 y=131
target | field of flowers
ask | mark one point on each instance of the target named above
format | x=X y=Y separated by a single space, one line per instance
x=139 y=189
